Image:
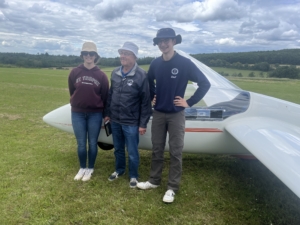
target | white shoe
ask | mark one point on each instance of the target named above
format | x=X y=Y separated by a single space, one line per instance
x=114 y=176
x=80 y=174
x=146 y=185
x=133 y=182
x=88 y=174
x=169 y=196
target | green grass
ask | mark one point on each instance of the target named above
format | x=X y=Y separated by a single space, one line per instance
x=286 y=89
x=39 y=162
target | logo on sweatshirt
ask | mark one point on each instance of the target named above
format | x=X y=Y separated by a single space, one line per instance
x=129 y=82
x=87 y=80
x=174 y=72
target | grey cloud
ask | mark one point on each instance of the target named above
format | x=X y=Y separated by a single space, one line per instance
x=42 y=19
x=220 y=10
x=40 y=44
x=3 y=4
x=37 y=8
x=8 y=43
x=289 y=14
x=54 y=46
x=111 y=9
x=80 y=3
x=250 y=27
x=276 y=24
x=268 y=25
x=61 y=26
x=282 y=33
x=208 y=10
x=249 y=23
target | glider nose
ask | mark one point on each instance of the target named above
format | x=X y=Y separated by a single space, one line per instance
x=60 y=118
x=48 y=118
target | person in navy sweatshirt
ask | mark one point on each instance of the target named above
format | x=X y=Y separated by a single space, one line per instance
x=171 y=72
x=88 y=87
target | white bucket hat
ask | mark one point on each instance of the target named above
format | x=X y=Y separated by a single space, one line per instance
x=129 y=46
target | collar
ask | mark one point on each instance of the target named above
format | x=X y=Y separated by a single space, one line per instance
x=162 y=56
x=130 y=73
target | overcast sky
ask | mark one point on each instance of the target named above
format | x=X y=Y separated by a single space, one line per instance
x=61 y=26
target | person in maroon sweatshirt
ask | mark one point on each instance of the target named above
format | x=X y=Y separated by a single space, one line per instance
x=88 y=87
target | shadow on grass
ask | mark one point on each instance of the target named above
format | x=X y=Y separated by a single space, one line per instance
x=245 y=188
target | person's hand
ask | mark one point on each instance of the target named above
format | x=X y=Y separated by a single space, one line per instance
x=142 y=130
x=154 y=100
x=106 y=119
x=178 y=101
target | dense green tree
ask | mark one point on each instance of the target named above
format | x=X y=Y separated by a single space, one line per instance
x=286 y=72
x=286 y=56
x=251 y=74
x=261 y=74
x=263 y=66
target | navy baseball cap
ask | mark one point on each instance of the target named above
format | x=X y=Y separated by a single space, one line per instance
x=166 y=33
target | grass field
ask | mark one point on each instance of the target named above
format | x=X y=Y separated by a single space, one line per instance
x=39 y=163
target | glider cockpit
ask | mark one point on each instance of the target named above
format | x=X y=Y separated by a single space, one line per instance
x=222 y=110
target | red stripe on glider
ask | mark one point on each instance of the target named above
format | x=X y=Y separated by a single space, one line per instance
x=209 y=130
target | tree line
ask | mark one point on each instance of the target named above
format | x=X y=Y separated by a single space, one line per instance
x=285 y=56
x=267 y=61
x=45 y=60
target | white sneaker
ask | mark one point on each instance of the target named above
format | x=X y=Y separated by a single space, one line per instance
x=88 y=174
x=169 y=196
x=133 y=182
x=114 y=176
x=146 y=185
x=80 y=174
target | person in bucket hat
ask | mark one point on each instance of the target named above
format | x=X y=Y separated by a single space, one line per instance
x=128 y=110
x=88 y=87
x=166 y=33
x=171 y=73
x=129 y=46
x=90 y=47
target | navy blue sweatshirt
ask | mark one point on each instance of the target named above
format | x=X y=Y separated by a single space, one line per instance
x=171 y=80
x=88 y=89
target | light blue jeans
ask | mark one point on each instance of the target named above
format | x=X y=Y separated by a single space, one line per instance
x=129 y=136
x=87 y=127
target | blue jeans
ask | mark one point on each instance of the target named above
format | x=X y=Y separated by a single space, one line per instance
x=129 y=136
x=87 y=126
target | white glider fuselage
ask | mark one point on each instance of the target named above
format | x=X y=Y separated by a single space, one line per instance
x=200 y=136
x=204 y=136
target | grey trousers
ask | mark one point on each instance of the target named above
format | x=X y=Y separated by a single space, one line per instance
x=174 y=124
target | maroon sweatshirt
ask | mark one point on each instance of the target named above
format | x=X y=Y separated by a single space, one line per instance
x=88 y=89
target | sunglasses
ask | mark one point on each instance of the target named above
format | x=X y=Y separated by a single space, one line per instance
x=125 y=53
x=84 y=53
x=163 y=40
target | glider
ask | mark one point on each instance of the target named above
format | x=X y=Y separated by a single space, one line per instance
x=229 y=120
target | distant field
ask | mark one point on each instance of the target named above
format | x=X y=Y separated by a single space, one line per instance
x=39 y=162
x=286 y=89
x=245 y=73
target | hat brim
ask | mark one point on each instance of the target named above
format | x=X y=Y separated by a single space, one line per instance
x=127 y=49
x=177 y=37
